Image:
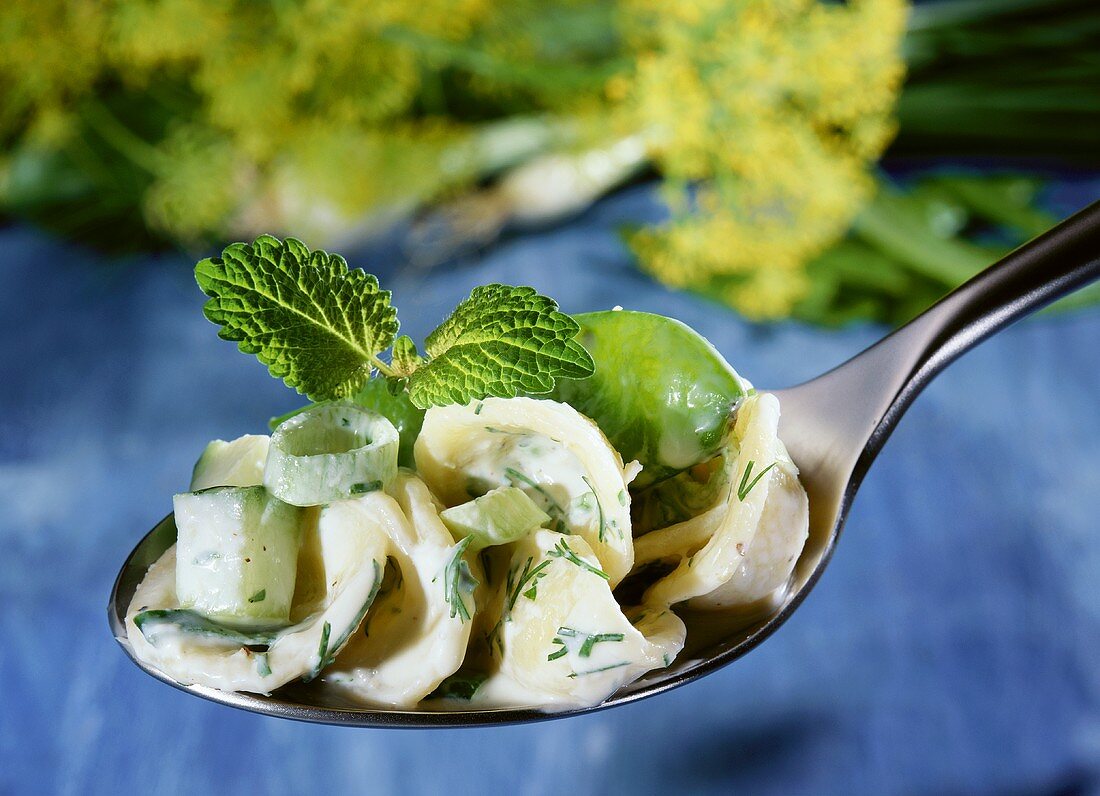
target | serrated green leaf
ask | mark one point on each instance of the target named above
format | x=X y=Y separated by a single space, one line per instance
x=502 y=341
x=405 y=358
x=316 y=324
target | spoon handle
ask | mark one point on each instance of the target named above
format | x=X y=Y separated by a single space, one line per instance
x=854 y=408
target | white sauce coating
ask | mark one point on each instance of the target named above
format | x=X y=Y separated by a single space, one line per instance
x=410 y=641
x=743 y=549
x=560 y=639
x=556 y=455
x=338 y=573
x=543 y=628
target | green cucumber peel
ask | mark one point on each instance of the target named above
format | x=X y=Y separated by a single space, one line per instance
x=184 y=620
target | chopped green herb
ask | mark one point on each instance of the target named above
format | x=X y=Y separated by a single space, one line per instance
x=622 y=497
x=599 y=506
x=322 y=654
x=258 y=597
x=742 y=489
x=459 y=686
x=478 y=408
x=601 y=669
x=364 y=487
x=458 y=581
x=526 y=584
x=563 y=550
x=588 y=641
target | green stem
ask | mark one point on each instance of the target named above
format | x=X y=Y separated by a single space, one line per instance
x=895 y=227
x=382 y=367
x=117 y=135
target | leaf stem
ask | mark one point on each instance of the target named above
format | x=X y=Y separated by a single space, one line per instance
x=382 y=367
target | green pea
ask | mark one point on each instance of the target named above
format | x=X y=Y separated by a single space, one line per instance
x=661 y=393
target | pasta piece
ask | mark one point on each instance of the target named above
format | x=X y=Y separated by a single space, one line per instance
x=556 y=455
x=744 y=549
x=417 y=633
x=561 y=639
x=339 y=572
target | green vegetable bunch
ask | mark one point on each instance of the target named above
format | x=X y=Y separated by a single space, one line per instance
x=210 y=119
x=128 y=123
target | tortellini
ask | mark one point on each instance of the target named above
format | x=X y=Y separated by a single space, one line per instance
x=560 y=638
x=339 y=572
x=414 y=636
x=743 y=549
x=388 y=604
x=551 y=451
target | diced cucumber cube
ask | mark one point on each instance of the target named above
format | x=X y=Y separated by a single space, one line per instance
x=497 y=517
x=236 y=463
x=237 y=555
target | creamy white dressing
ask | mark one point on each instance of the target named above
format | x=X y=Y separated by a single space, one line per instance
x=555 y=640
x=556 y=455
x=544 y=469
x=339 y=574
x=410 y=641
x=563 y=639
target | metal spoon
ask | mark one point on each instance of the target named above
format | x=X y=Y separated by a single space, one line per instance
x=833 y=426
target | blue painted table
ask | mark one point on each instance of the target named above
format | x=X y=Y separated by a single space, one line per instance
x=952 y=647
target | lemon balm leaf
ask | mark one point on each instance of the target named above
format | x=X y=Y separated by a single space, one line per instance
x=502 y=341
x=320 y=327
x=317 y=325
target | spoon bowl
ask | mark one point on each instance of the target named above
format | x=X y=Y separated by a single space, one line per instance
x=833 y=427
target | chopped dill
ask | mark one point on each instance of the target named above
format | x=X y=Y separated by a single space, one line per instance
x=563 y=550
x=742 y=489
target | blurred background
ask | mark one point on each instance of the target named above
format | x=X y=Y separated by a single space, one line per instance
x=790 y=177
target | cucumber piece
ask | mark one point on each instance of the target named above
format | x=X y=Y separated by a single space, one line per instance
x=331 y=451
x=376 y=396
x=237 y=555
x=343 y=554
x=498 y=517
x=236 y=463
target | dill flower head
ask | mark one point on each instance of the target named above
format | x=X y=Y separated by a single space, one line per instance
x=777 y=109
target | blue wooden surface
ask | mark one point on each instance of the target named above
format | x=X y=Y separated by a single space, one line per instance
x=953 y=646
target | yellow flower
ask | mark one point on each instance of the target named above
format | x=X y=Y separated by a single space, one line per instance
x=778 y=108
